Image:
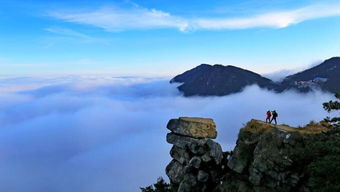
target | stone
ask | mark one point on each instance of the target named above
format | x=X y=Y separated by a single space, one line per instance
x=215 y=151
x=183 y=141
x=193 y=127
x=189 y=169
x=202 y=176
x=206 y=158
x=180 y=155
x=195 y=162
x=197 y=149
x=175 y=171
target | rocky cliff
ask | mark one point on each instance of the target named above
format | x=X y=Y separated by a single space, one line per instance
x=266 y=158
x=274 y=158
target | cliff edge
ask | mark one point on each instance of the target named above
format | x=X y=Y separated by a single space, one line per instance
x=276 y=158
x=266 y=158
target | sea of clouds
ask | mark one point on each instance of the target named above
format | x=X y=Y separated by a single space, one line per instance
x=99 y=133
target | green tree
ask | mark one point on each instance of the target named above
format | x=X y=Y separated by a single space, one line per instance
x=333 y=106
x=325 y=169
x=160 y=186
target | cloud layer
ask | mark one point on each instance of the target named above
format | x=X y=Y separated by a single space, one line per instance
x=104 y=134
x=118 y=19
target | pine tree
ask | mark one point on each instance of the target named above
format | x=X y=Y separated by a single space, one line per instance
x=160 y=186
x=333 y=106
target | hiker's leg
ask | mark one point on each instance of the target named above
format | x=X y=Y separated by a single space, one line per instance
x=275 y=121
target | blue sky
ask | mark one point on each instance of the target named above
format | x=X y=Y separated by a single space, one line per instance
x=159 y=37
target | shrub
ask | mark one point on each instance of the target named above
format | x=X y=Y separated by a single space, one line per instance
x=325 y=169
x=160 y=186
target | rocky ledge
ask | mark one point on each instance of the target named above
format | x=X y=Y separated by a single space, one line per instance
x=278 y=158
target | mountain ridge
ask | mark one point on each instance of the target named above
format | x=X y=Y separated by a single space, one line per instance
x=328 y=70
x=220 y=80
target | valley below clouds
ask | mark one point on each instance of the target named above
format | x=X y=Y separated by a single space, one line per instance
x=101 y=133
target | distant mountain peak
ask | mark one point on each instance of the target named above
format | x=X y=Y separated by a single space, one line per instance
x=217 y=79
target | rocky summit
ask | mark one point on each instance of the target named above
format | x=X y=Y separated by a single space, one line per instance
x=276 y=158
x=197 y=159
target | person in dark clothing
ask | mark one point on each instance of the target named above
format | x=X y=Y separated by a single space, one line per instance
x=275 y=115
x=269 y=114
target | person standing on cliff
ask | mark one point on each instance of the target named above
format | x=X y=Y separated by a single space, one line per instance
x=275 y=115
x=269 y=114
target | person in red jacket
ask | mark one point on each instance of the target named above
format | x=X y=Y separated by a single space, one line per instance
x=269 y=114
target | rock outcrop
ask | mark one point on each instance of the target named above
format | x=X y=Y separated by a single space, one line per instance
x=197 y=159
x=270 y=158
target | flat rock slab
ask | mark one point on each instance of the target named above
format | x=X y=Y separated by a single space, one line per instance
x=193 y=127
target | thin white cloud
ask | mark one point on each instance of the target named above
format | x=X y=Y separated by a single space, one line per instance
x=67 y=35
x=117 y=19
x=67 y=32
x=279 y=19
x=70 y=34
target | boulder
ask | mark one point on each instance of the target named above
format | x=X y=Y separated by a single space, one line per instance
x=180 y=154
x=202 y=176
x=215 y=150
x=183 y=141
x=175 y=171
x=195 y=162
x=206 y=157
x=193 y=127
x=197 y=149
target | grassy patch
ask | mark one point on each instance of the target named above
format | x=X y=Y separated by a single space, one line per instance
x=311 y=128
